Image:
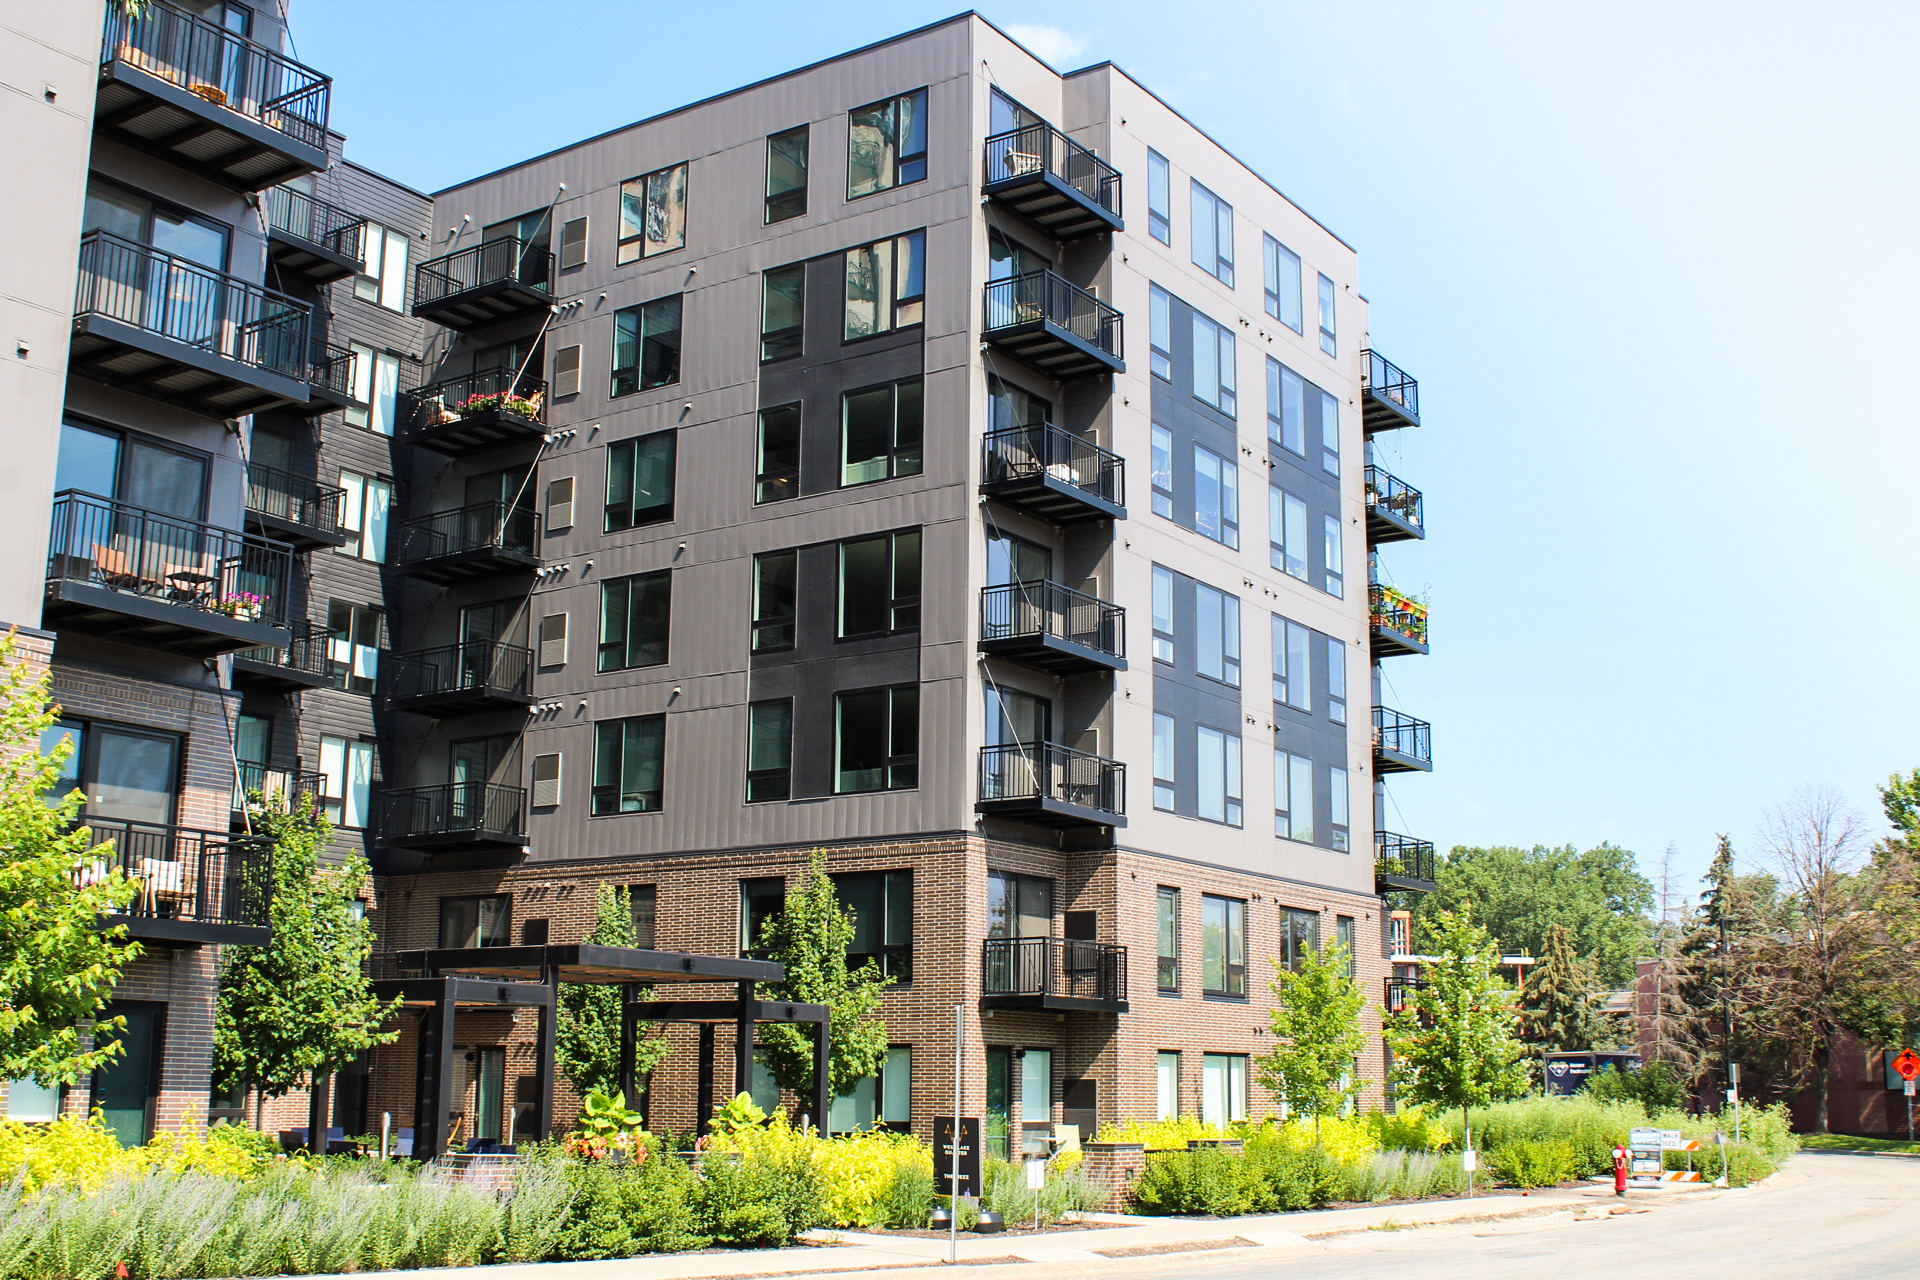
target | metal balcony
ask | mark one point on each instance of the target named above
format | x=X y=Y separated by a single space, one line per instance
x=454 y=817
x=1394 y=511
x=1062 y=974
x=1402 y=863
x=481 y=410
x=1054 y=325
x=469 y=542
x=209 y=100
x=1389 y=397
x=294 y=509
x=1051 y=473
x=303 y=662
x=1053 y=182
x=164 y=327
x=484 y=284
x=260 y=790
x=145 y=579
x=330 y=377
x=1399 y=994
x=311 y=240
x=1049 y=785
x=454 y=679
x=1399 y=622
x=191 y=888
x=1401 y=744
x=1052 y=627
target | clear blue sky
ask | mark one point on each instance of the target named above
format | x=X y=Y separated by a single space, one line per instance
x=1654 y=266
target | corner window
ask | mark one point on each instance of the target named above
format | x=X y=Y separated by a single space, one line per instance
x=636 y=615
x=1337 y=810
x=882 y=907
x=482 y=920
x=1162 y=614
x=887 y=144
x=1329 y=434
x=1160 y=331
x=876 y=739
x=646 y=346
x=786 y=175
x=346 y=768
x=1163 y=781
x=777 y=455
x=1216 y=496
x=1213 y=365
x=364 y=515
x=653 y=214
x=880 y=430
x=1283 y=284
x=1213 y=235
x=1162 y=472
x=1167 y=970
x=769 y=750
x=1159 y=198
x=1287 y=532
x=773 y=600
x=1292 y=671
x=629 y=761
x=1223 y=946
x=1336 y=578
x=1336 y=680
x=1299 y=937
x=1328 y=341
x=880 y=584
x=886 y=285
x=640 y=475
x=1217 y=775
x=1292 y=797
x=1216 y=633
x=1286 y=395
x=783 y=295
x=353 y=645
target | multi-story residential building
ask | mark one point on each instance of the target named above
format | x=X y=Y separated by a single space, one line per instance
x=755 y=479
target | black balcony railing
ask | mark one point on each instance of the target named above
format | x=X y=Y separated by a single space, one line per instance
x=258 y=788
x=331 y=370
x=1043 y=452
x=478 y=666
x=314 y=220
x=1392 y=502
x=1402 y=739
x=490 y=391
x=1022 y=159
x=179 y=562
x=1033 y=773
x=218 y=314
x=1051 y=610
x=1054 y=967
x=195 y=877
x=220 y=66
x=1042 y=297
x=474 y=811
x=294 y=499
x=493 y=262
x=1397 y=612
x=1393 y=397
x=483 y=526
x=1399 y=857
x=305 y=654
x=1400 y=992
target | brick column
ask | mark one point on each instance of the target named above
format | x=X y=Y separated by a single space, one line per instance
x=1114 y=1167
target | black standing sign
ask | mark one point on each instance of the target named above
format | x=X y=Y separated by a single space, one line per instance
x=969 y=1154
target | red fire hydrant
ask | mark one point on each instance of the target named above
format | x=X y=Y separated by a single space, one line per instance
x=1620 y=1171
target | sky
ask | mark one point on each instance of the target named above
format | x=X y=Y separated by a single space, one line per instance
x=1652 y=264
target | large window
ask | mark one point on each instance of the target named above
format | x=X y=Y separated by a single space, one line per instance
x=1214 y=365
x=1216 y=633
x=636 y=616
x=876 y=736
x=1216 y=496
x=653 y=214
x=773 y=600
x=880 y=432
x=640 y=476
x=887 y=144
x=1336 y=680
x=1217 y=774
x=770 y=750
x=881 y=903
x=1166 y=1084
x=777 y=455
x=646 y=346
x=1159 y=198
x=383 y=267
x=1167 y=969
x=479 y=920
x=1162 y=471
x=364 y=515
x=1330 y=548
x=1223 y=945
x=761 y=899
x=1292 y=797
x=786 y=175
x=629 y=763
x=1212 y=235
x=880 y=584
x=1329 y=342
x=886 y=285
x=1019 y=906
x=1160 y=331
x=883 y=1100
x=375 y=389
x=1162 y=614
x=1223 y=1088
x=346 y=767
x=1292 y=664
x=353 y=645
x=1163 y=749
x=1286 y=396
x=783 y=300
x=1283 y=284
x=1287 y=532
x=1299 y=937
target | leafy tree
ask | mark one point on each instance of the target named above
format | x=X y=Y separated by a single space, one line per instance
x=587 y=1038
x=58 y=966
x=1654 y=1087
x=1453 y=1044
x=1518 y=894
x=810 y=935
x=301 y=1006
x=1558 y=1007
x=1317 y=1037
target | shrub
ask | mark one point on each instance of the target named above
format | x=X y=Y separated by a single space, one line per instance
x=1205 y=1180
x=1004 y=1190
x=1528 y=1163
x=861 y=1175
x=1654 y=1087
x=1162 y=1135
x=770 y=1194
x=1406 y=1175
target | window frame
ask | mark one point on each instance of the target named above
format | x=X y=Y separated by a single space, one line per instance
x=754 y=890
x=625 y=588
x=903 y=607
x=779 y=484
x=903 y=171
x=1167 y=940
x=1292 y=648
x=787 y=341
x=898 y=309
x=893 y=959
x=651 y=800
x=1160 y=470
x=503 y=917
x=1282 y=509
x=642 y=334
x=1329 y=432
x=1230 y=756
x=1165 y=637
x=626 y=458
x=1329 y=333
x=1222 y=611
x=1219 y=476
x=1233 y=1078
x=1278 y=295
x=1336 y=679
x=1159 y=198
x=340 y=795
x=1160 y=332
x=1339 y=809
x=1165 y=755
x=1223 y=358
x=901 y=458
x=638 y=245
x=767 y=212
x=779 y=777
x=769 y=623
x=354 y=507
x=1219 y=224
x=1332 y=550
x=345 y=665
x=1299 y=936
x=1232 y=927
x=374 y=395
x=1286 y=408
x=900 y=770
x=1290 y=770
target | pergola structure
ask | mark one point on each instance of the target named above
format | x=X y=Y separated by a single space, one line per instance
x=480 y=977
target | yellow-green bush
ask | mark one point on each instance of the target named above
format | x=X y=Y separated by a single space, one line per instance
x=861 y=1177
x=69 y=1152
x=1162 y=1135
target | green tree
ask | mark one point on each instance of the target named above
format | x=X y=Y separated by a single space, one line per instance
x=1518 y=894
x=1453 y=1044
x=58 y=966
x=1317 y=1037
x=810 y=935
x=1558 y=1005
x=587 y=1038
x=300 y=1006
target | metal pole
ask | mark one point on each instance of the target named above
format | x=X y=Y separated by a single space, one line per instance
x=953 y=1148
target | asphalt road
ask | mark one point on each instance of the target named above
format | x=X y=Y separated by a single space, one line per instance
x=1830 y=1217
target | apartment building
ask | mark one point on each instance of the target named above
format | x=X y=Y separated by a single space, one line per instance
x=755 y=479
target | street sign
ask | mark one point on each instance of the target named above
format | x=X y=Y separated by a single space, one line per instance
x=1907 y=1064
x=969 y=1153
x=1909 y=1089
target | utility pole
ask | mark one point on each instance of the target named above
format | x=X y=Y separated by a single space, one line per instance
x=1726 y=1021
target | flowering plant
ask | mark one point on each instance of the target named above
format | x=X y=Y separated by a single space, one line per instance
x=499 y=400
x=244 y=605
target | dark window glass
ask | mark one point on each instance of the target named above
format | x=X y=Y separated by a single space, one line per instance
x=1299 y=935
x=770 y=750
x=782 y=310
x=1168 y=969
x=880 y=584
x=646 y=345
x=483 y=920
x=636 y=615
x=882 y=906
x=787 y=174
x=629 y=764
x=778 y=476
x=640 y=900
x=877 y=739
x=881 y=433
x=773 y=600
x=761 y=899
x=640 y=477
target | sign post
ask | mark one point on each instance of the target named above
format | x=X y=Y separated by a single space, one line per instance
x=954 y=1138
x=1908 y=1065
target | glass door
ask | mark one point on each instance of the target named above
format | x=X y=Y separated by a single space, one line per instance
x=999 y=1100
x=125 y=1090
x=251 y=738
x=489 y=1097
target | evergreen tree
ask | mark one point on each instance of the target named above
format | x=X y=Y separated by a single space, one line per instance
x=58 y=966
x=1559 y=1008
x=587 y=1038
x=810 y=936
x=300 y=1006
x=1317 y=1037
